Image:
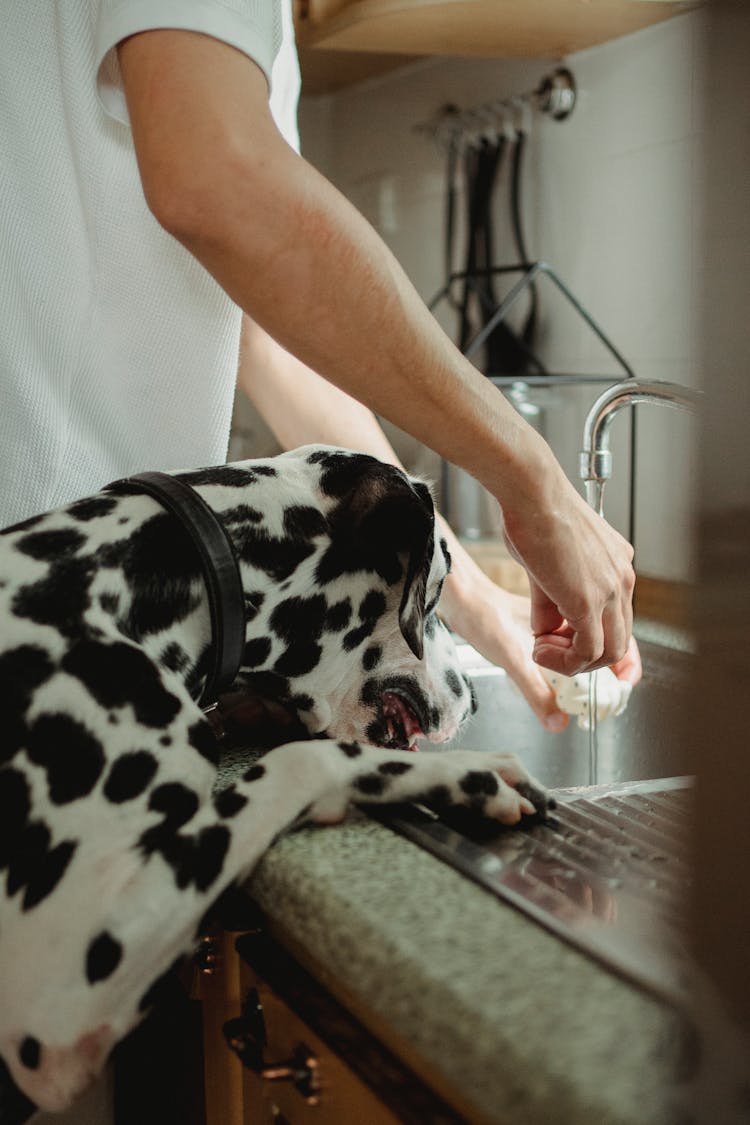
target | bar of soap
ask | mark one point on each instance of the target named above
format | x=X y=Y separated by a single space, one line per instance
x=572 y=694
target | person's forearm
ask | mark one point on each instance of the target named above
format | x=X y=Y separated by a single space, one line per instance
x=298 y=405
x=295 y=255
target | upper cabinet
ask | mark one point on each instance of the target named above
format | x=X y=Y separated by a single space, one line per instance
x=394 y=28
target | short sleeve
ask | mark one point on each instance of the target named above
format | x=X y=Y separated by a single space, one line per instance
x=252 y=26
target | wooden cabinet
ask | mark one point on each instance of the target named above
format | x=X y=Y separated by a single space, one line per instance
x=306 y=1059
x=502 y=28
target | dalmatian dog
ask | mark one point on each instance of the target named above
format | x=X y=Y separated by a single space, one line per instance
x=114 y=838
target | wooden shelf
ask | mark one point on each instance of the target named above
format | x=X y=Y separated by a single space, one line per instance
x=487 y=28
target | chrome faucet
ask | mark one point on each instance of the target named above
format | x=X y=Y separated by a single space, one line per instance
x=595 y=461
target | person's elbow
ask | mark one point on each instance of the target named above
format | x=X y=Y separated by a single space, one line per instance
x=186 y=197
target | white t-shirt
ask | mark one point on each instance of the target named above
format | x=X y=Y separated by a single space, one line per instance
x=118 y=351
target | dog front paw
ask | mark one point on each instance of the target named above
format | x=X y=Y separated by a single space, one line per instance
x=497 y=786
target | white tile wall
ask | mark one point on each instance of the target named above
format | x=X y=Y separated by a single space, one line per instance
x=612 y=202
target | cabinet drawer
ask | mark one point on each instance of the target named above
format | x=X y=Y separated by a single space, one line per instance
x=278 y=1048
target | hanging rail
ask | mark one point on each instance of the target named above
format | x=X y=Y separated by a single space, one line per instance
x=555 y=96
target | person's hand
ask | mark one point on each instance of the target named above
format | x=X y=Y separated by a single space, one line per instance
x=496 y=623
x=581 y=579
x=629 y=668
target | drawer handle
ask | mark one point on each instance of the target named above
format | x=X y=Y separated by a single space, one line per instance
x=246 y=1035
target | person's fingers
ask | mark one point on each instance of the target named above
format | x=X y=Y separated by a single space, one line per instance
x=538 y=694
x=545 y=616
x=630 y=668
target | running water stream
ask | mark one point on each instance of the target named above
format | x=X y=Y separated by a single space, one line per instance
x=595 y=497
x=593 y=741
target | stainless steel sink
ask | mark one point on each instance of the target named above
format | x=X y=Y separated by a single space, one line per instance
x=609 y=870
x=644 y=742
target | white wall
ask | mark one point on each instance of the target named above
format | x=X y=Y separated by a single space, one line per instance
x=612 y=205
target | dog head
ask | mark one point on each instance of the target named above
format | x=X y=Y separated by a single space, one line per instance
x=350 y=635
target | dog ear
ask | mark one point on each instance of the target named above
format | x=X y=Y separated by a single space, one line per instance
x=411 y=610
x=383 y=522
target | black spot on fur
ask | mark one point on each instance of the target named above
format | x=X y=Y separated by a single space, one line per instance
x=298 y=659
x=299 y=617
x=437 y=797
x=202 y=857
x=175 y=658
x=61 y=598
x=342 y=471
x=351 y=749
x=34 y=865
x=130 y=776
x=229 y=802
x=267 y=685
x=453 y=681
x=302 y=702
x=49 y=545
x=371 y=657
x=30 y=1052
x=22 y=671
x=338 y=616
x=265 y=470
x=161 y=565
x=72 y=757
x=279 y=558
x=302 y=521
x=356 y=636
x=178 y=803
x=394 y=768
x=102 y=957
x=92 y=508
x=194 y=859
x=47 y=873
x=243 y=513
x=479 y=783
x=372 y=784
x=256 y=652
x=379 y=517
x=254 y=773
x=15 y=806
x=372 y=606
x=230 y=475
x=118 y=675
x=430 y=626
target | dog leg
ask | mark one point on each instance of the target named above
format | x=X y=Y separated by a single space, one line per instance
x=329 y=775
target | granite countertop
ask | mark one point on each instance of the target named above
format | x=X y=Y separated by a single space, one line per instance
x=481 y=1001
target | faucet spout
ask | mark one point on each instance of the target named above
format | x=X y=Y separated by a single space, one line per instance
x=595 y=460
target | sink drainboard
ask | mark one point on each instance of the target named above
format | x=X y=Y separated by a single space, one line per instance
x=609 y=873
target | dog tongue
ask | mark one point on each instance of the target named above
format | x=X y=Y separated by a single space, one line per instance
x=395 y=707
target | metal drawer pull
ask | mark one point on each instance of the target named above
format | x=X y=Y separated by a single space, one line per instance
x=246 y=1035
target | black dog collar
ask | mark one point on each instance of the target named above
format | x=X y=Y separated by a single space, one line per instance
x=221 y=573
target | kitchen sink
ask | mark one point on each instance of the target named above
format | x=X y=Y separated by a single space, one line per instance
x=644 y=742
x=609 y=869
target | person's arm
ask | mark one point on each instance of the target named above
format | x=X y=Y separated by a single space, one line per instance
x=300 y=407
x=299 y=259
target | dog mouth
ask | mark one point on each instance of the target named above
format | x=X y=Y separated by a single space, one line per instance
x=402 y=725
